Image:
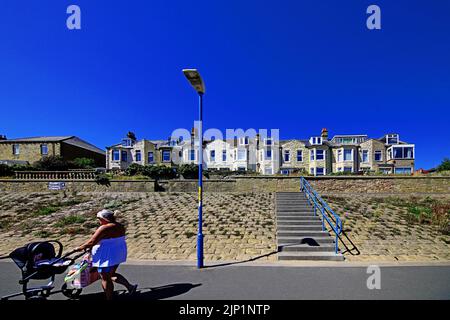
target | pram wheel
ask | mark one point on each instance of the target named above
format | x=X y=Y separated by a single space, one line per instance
x=70 y=293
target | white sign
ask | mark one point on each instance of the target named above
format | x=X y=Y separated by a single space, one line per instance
x=56 y=185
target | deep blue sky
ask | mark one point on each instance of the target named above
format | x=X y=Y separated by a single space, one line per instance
x=293 y=65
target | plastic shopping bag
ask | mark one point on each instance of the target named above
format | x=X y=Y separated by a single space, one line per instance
x=82 y=274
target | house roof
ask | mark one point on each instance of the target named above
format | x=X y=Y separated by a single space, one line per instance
x=72 y=140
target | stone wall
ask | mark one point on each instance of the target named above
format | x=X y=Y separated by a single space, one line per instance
x=326 y=185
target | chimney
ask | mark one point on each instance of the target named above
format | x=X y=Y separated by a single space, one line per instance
x=2 y=137
x=324 y=134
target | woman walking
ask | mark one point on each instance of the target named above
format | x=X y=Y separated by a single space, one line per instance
x=109 y=249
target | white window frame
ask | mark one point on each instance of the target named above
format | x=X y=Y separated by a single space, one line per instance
x=367 y=156
x=148 y=157
x=323 y=173
x=288 y=154
x=239 y=153
x=391 y=151
x=136 y=154
x=117 y=151
x=192 y=151
x=312 y=155
x=375 y=155
x=170 y=156
x=394 y=135
x=324 y=156
x=16 y=149
x=410 y=170
x=211 y=156
x=351 y=154
x=301 y=155
x=46 y=146
x=224 y=153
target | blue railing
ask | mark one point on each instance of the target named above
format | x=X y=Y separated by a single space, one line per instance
x=320 y=205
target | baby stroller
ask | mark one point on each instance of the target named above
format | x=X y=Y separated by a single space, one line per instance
x=40 y=261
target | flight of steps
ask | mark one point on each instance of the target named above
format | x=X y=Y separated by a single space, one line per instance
x=299 y=232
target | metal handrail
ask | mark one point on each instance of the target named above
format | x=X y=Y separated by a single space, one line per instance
x=320 y=204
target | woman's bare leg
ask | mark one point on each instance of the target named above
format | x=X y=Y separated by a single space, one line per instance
x=107 y=284
x=120 y=279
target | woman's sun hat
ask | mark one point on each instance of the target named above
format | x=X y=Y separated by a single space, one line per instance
x=106 y=215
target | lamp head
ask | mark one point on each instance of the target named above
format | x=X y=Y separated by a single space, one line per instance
x=195 y=80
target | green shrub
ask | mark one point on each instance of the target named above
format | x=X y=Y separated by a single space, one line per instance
x=188 y=171
x=102 y=179
x=52 y=163
x=46 y=211
x=82 y=163
x=134 y=169
x=72 y=219
x=158 y=172
x=6 y=171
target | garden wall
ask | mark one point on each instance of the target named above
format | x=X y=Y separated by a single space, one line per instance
x=341 y=185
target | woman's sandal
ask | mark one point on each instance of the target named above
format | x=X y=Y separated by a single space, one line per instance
x=133 y=290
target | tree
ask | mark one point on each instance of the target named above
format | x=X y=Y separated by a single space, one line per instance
x=445 y=165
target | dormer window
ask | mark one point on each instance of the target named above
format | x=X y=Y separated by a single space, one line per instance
x=127 y=142
x=243 y=141
x=392 y=139
x=315 y=140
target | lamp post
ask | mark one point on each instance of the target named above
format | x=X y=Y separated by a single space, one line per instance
x=196 y=81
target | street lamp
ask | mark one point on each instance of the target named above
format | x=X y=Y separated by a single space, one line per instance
x=196 y=81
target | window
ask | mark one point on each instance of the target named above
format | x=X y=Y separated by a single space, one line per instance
x=316 y=140
x=213 y=155
x=403 y=152
x=192 y=155
x=16 y=149
x=320 y=155
x=166 y=155
x=287 y=155
x=44 y=149
x=311 y=171
x=268 y=142
x=348 y=154
x=268 y=154
x=126 y=143
x=224 y=155
x=365 y=156
x=378 y=156
x=311 y=155
x=242 y=154
x=243 y=141
x=116 y=155
x=180 y=154
x=402 y=170
x=124 y=156
x=339 y=155
x=150 y=157
x=319 y=171
x=348 y=169
x=138 y=155
x=299 y=155
x=392 y=139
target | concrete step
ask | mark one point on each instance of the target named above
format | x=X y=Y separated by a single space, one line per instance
x=303 y=234
x=328 y=256
x=299 y=227
x=293 y=206
x=325 y=247
x=293 y=209
x=281 y=223
x=291 y=217
x=301 y=240
x=295 y=213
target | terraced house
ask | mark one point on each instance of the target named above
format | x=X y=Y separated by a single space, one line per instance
x=347 y=153
x=317 y=155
